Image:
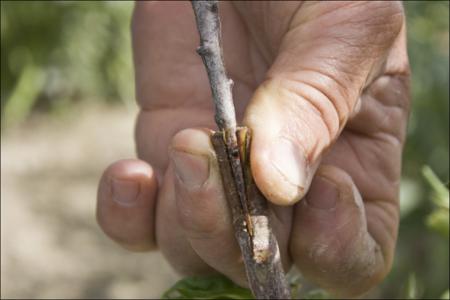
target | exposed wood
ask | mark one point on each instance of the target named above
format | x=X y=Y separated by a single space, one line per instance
x=253 y=232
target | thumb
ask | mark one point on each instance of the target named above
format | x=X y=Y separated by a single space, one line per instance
x=312 y=88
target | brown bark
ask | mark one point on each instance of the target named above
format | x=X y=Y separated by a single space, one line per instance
x=251 y=224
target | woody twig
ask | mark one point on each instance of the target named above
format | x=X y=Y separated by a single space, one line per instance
x=249 y=209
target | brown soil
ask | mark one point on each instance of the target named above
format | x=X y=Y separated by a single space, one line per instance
x=51 y=246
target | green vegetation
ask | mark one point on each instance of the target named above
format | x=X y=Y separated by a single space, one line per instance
x=438 y=220
x=55 y=55
x=220 y=287
x=212 y=287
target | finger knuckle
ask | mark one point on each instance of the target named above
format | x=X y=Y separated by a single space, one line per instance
x=385 y=18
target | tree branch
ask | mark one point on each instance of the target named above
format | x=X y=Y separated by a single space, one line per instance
x=208 y=24
x=249 y=209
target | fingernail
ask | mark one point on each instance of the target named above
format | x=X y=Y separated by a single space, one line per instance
x=125 y=192
x=289 y=160
x=323 y=194
x=191 y=169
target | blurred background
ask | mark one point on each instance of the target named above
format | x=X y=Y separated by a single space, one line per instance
x=67 y=111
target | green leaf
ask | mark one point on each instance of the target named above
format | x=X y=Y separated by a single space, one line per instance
x=317 y=294
x=411 y=288
x=446 y=295
x=24 y=95
x=440 y=191
x=438 y=220
x=211 y=287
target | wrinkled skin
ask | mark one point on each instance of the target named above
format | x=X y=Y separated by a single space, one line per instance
x=324 y=86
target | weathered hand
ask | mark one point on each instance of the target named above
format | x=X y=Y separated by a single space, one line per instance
x=324 y=86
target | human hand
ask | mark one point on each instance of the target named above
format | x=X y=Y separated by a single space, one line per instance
x=324 y=87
